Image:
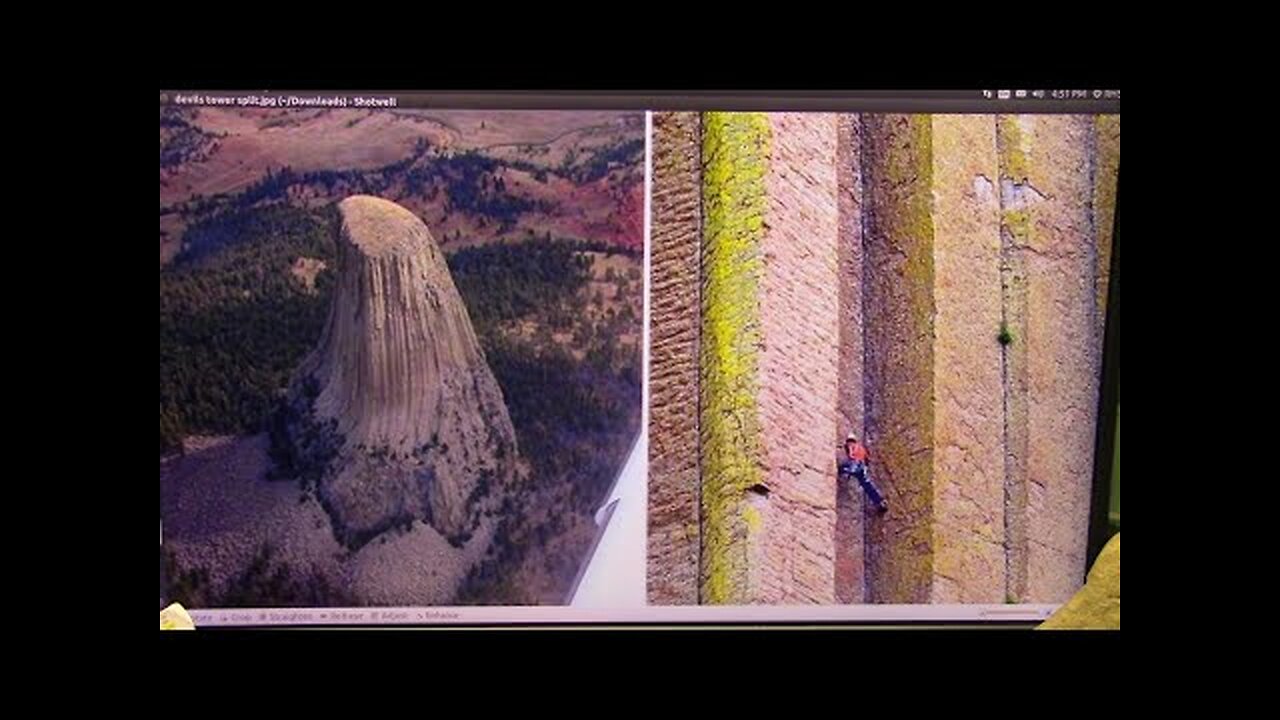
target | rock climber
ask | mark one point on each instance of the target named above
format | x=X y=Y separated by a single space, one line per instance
x=855 y=465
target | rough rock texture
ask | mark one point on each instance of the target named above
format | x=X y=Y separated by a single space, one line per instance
x=417 y=567
x=1048 y=231
x=935 y=385
x=676 y=222
x=1105 y=174
x=968 y=432
x=735 y=156
x=219 y=515
x=898 y=306
x=396 y=411
x=1096 y=606
x=850 y=570
x=931 y=283
x=799 y=312
x=1013 y=275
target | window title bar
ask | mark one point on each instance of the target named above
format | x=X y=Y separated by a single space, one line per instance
x=1021 y=101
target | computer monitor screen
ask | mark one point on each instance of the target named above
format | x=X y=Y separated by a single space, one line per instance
x=487 y=358
x=400 y=349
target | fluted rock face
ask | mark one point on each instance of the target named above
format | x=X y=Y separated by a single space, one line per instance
x=396 y=414
x=933 y=283
x=798 y=382
x=674 y=529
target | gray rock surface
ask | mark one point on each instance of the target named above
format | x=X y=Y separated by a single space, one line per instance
x=396 y=410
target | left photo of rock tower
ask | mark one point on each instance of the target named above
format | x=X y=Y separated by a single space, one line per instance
x=400 y=351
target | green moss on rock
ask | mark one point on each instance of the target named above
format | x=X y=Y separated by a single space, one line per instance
x=1013 y=156
x=735 y=152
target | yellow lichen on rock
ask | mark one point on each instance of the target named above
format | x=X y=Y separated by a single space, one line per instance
x=899 y=330
x=735 y=160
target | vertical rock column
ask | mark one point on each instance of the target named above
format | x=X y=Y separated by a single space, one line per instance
x=799 y=374
x=1105 y=173
x=1013 y=273
x=735 y=156
x=898 y=332
x=850 y=571
x=933 y=382
x=770 y=350
x=1052 y=361
x=676 y=224
x=968 y=415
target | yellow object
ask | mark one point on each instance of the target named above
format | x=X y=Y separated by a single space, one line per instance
x=175 y=617
x=735 y=151
x=1097 y=605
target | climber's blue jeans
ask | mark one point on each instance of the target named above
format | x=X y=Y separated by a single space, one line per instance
x=859 y=472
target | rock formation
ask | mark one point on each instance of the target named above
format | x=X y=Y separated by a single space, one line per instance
x=676 y=202
x=395 y=415
x=932 y=283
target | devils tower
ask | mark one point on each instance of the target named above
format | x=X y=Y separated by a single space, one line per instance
x=395 y=416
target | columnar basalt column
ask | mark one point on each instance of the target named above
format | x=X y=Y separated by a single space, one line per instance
x=735 y=151
x=675 y=237
x=799 y=362
x=850 y=549
x=968 y=432
x=1106 y=170
x=770 y=354
x=934 y=386
x=898 y=306
x=1052 y=360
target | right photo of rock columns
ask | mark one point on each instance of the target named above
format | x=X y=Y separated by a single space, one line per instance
x=875 y=355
